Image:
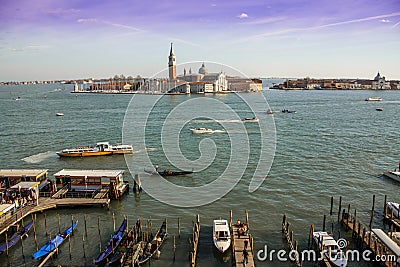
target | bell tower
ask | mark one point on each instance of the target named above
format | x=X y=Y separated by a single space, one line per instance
x=172 y=64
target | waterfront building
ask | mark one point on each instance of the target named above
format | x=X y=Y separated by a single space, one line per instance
x=379 y=83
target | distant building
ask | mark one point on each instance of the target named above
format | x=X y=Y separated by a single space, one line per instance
x=172 y=64
x=379 y=83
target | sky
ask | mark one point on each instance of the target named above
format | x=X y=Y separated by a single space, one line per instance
x=72 y=39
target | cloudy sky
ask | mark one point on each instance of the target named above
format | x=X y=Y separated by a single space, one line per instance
x=68 y=39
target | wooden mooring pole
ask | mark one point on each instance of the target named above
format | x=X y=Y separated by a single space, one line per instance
x=372 y=212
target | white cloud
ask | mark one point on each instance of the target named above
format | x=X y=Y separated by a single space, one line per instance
x=243 y=16
x=89 y=20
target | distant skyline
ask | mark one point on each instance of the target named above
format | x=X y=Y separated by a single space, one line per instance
x=71 y=39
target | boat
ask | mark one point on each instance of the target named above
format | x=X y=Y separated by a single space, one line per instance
x=221 y=235
x=100 y=149
x=201 y=131
x=288 y=111
x=23 y=232
x=59 y=114
x=379 y=109
x=254 y=119
x=54 y=243
x=270 y=112
x=153 y=246
x=395 y=175
x=374 y=98
x=168 y=172
x=113 y=243
x=330 y=249
x=395 y=207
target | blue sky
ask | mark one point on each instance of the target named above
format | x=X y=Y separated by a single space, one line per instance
x=47 y=39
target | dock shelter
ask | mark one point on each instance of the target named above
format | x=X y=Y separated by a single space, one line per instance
x=28 y=186
x=11 y=177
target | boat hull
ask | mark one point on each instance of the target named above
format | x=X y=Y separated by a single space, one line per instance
x=54 y=243
x=393 y=175
x=221 y=235
x=16 y=238
x=114 y=243
x=84 y=154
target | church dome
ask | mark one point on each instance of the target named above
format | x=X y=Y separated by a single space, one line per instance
x=203 y=69
x=377 y=77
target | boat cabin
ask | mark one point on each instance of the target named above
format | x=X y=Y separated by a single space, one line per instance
x=11 y=177
x=91 y=180
x=103 y=146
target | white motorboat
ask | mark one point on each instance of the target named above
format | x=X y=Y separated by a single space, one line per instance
x=374 y=98
x=330 y=249
x=254 y=119
x=201 y=131
x=221 y=235
x=270 y=112
x=59 y=114
x=395 y=207
x=393 y=175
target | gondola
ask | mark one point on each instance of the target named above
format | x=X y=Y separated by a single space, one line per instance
x=113 y=243
x=153 y=246
x=168 y=172
x=54 y=243
x=16 y=237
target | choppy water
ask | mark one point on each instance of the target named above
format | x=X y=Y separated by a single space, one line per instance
x=335 y=145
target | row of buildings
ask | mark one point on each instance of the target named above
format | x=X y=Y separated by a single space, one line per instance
x=378 y=83
x=189 y=82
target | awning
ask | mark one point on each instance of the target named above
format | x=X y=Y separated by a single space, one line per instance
x=25 y=185
x=4 y=208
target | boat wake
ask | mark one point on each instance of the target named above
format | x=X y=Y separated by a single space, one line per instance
x=145 y=150
x=219 y=131
x=40 y=157
x=208 y=121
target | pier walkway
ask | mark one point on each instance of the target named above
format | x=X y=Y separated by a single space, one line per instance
x=238 y=244
x=10 y=220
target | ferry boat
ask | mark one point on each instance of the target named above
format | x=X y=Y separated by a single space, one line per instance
x=221 y=235
x=100 y=149
x=374 y=98
x=395 y=175
x=330 y=249
x=201 y=131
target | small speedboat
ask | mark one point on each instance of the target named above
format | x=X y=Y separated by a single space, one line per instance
x=254 y=119
x=201 y=131
x=59 y=114
x=221 y=235
x=330 y=249
x=374 y=98
x=270 y=112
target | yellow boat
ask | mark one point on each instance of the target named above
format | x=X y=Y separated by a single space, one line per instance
x=100 y=149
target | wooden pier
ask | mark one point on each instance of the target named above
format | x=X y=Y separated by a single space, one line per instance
x=242 y=242
x=289 y=235
x=10 y=220
x=364 y=236
x=194 y=241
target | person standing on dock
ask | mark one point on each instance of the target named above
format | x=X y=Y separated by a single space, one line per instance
x=245 y=255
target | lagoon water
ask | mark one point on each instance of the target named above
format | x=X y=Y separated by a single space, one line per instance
x=336 y=144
